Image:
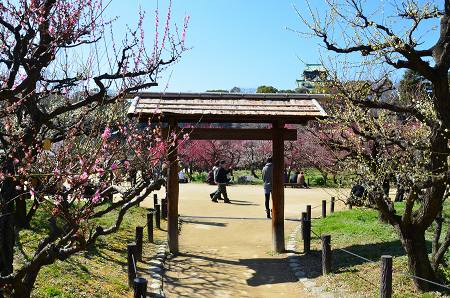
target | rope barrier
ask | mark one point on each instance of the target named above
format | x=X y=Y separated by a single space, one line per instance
x=315 y=233
x=368 y=281
x=356 y=255
x=345 y=202
x=424 y=279
x=371 y=261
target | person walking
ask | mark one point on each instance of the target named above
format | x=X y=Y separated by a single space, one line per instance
x=214 y=171
x=267 y=174
x=222 y=181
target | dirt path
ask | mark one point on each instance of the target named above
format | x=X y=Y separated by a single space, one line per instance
x=223 y=256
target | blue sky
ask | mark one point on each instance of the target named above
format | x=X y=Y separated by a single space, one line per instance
x=241 y=43
x=234 y=43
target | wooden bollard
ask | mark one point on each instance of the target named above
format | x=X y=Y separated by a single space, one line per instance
x=158 y=216
x=308 y=211
x=164 y=208
x=332 y=205
x=386 y=277
x=307 y=237
x=131 y=262
x=307 y=181
x=324 y=208
x=138 y=239
x=140 y=287
x=304 y=219
x=155 y=200
x=326 y=254
x=150 y=226
x=350 y=207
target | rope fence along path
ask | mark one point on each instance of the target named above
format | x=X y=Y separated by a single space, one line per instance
x=376 y=262
x=423 y=279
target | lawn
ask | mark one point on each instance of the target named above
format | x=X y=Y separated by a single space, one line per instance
x=359 y=231
x=99 y=272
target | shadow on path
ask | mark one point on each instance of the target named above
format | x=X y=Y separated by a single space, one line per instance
x=244 y=203
x=207 y=223
x=208 y=275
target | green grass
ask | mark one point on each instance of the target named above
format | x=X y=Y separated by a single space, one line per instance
x=99 y=272
x=359 y=231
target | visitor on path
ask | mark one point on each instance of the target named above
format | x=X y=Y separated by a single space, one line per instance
x=294 y=177
x=267 y=173
x=357 y=194
x=213 y=173
x=182 y=177
x=301 y=180
x=222 y=181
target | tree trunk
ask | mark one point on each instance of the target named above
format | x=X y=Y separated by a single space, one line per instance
x=23 y=288
x=413 y=241
x=20 y=213
x=437 y=233
x=7 y=236
x=254 y=173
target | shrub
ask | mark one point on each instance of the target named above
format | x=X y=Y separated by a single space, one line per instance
x=319 y=181
x=199 y=176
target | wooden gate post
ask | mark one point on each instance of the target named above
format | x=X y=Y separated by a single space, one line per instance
x=278 y=188
x=139 y=239
x=150 y=226
x=131 y=262
x=326 y=254
x=140 y=287
x=324 y=208
x=386 y=277
x=308 y=211
x=155 y=199
x=172 y=190
x=158 y=216
x=304 y=219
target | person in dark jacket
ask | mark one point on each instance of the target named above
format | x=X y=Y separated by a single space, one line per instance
x=221 y=180
x=213 y=172
x=267 y=174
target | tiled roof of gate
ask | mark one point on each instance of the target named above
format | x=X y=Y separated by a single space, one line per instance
x=229 y=107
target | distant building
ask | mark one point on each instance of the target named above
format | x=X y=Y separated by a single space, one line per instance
x=312 y=75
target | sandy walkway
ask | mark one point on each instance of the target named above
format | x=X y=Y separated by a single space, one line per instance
x=223 y=256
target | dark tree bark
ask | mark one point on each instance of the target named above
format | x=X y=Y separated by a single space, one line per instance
x=20 y=212
x=7 y=235
x=413 y=241
x=437 y=233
